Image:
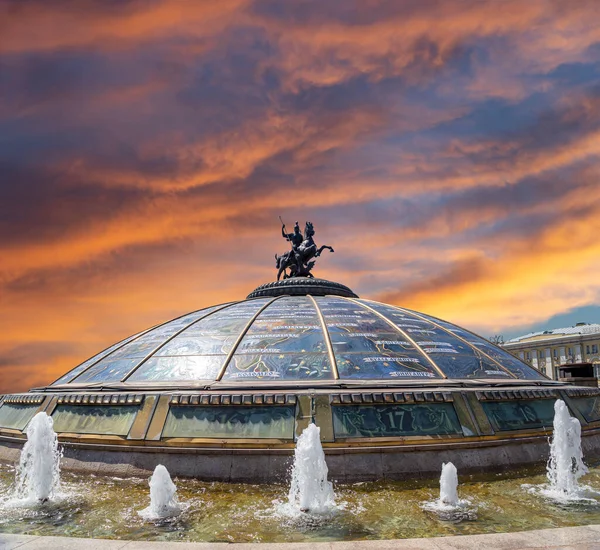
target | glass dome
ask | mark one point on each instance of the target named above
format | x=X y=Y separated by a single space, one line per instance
x=298 y=339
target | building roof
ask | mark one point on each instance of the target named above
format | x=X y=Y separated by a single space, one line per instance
x=580 y=329
x=298 y=339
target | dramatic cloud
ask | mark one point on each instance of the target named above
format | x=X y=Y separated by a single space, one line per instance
x=449 y=151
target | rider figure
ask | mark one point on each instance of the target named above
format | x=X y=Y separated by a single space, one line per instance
x=295 y=238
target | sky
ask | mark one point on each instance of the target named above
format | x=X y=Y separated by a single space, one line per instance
x=448 y=151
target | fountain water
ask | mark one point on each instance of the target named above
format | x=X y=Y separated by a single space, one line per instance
x=565 y=466
x=163 y=497
x=449 y=485
x=38 y=476
x=448 y=506
x=310 y=491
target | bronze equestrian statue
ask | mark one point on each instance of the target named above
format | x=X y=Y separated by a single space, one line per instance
x=300 y=259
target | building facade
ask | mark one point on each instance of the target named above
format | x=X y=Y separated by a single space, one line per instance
x=562 y=352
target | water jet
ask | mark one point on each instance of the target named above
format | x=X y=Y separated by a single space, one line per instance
x=38 y=474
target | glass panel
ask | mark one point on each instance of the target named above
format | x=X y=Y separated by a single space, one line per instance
x=181 y=368
x=227 y=322
x=285 y=342
x=507 y=360
x=108 y=370
x=456 y=358
x=15 y=416
x=519 y=415
x=199 y=345
x=139 y=348
x=395 y=420
x=115 y=367
x=289 y=325
x=216 y=334
x=199 y=352
x=271 y=366
x=366 y=346
x=80 y=419
x=589 y=407
x=381 y=366
x=78 y=369
x=306 y=340
x=230 y=422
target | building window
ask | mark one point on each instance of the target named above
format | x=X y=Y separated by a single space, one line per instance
x=587 y=349
x=594 y=348
x=569 y=351
x=541 y=354
x=528 y=355
x=555 y=353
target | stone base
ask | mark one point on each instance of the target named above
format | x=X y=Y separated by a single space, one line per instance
x=345 y=464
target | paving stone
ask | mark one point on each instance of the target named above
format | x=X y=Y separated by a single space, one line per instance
x=284 y=546
x=544 y=538
x=9 y=542
x=155 y=545
x=566 y=538
x=403 y=544
x=70 y=543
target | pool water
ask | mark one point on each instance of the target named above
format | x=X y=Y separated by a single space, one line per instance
x=107 y=507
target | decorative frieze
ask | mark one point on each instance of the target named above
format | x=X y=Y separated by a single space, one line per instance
x=24 y=399
x=391 y=397
x=507 y=395
x=582 y=392
x=246 y=399
x=101 y=399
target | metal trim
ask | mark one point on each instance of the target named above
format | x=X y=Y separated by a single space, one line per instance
x=327 y=338
x=142 y=418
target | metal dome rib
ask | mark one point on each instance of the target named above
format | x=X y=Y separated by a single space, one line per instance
x=327 y=337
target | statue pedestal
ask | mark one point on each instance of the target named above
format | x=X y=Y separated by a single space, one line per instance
x=302 y=286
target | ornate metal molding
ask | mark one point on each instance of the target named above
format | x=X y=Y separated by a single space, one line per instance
x=388 y=397
x=302 y=286
x=104 y=399
x=495 y=395
x=196 y=400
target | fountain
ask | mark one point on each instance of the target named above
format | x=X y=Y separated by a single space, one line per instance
x=38 y=476
x=448 y=506
x=449 y=485
x=163 y=497
x=565 y=465
x=310 y=491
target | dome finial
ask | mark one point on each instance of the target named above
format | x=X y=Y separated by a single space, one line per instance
x=300 y=259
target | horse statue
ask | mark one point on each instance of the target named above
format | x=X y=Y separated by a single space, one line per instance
x=300 y=259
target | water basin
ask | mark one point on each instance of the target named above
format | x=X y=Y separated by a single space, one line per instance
x=107 y=507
